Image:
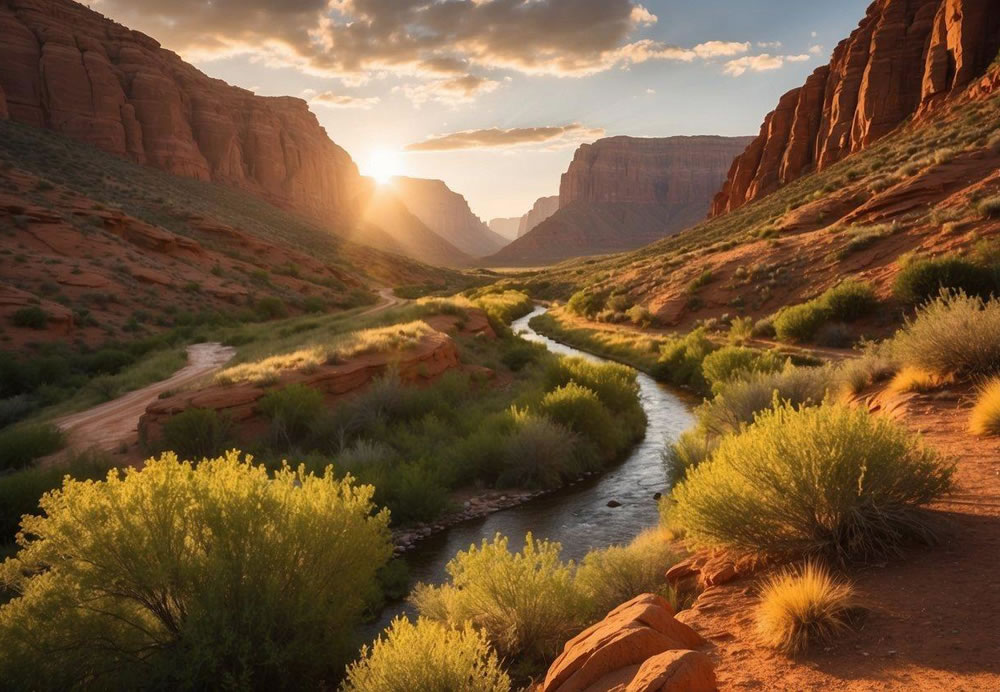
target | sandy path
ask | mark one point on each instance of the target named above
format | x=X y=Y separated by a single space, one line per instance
x=115 y=423
x=109 y=425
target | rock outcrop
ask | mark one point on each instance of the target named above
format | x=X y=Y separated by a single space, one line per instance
x=904 y=58
x=621 y=193
x=543 y=208
x=447 y=213
x=428 y=360
x=639 y=647
x=69 y=69
x=505 y=228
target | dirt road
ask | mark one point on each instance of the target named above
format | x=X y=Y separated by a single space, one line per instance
x=109 y=425
x=115 y=423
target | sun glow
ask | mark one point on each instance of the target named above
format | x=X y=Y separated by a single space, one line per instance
x=383 y=164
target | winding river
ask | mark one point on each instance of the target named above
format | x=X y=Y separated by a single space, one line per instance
x=578 y=516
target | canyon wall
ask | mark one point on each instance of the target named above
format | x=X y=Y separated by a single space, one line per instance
x=447 y=213
x=543 y=208
x=904 y=58
x=505 y=228
x=66 y=68
x=621 y=193
x=676 y=171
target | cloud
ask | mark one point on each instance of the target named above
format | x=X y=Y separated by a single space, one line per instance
x=816 y=50
x=330 y=99
x=496 y=138
x=760 y=63
x=772 y=45
x=650 y=91
x=450 y=91
x=718 y=49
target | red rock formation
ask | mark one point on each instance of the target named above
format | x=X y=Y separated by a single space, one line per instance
x=543 y=208
x=435 y=355
x=447 y=213
x=904 y=57
x=622 y=193
x=505 y=228
x=3 y=106
x=69 y=69
x=639 y=647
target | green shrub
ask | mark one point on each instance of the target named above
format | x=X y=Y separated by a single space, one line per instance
x=519 y=354
x=542 y=454
x=736 y=404
x=827 y=479
x=507 y=306
x=580 y=410
x=32 y=317
x=427 y=656
x=270 y=308
x=850 y=300
x=681 y=359
x=687 y=452
x=615 y=385
x=292 y=412
x=923 y=280
x=737 y=362
x=196 y=433
x=952 y=335
x=611 y=576
x=21 y=445
x=801 y=322
x=191 y=576
x=585 y=303
x=524 y=602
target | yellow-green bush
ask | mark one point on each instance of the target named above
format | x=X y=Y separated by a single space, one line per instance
x=427 y=657
x=985 y=417
x=827 y=479
x=737 y=362
x=802 y=608
x=525 y=602
x=579 y=409
x=954 y=334
x=183 y=575
x=611 y=576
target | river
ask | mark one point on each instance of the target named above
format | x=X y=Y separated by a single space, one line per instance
x=578 y=516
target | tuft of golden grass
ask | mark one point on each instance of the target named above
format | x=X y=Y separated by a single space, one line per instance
x=801 y=608
x=985 y=417
x=911 y=379
x=398 y=337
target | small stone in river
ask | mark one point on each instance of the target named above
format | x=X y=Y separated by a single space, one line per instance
x=657 y=496
x=614 y=503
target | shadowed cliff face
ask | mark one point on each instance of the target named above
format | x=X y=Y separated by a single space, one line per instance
x=69 y=69
x=903 y=59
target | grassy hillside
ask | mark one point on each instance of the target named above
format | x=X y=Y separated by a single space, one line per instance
x=929 y=190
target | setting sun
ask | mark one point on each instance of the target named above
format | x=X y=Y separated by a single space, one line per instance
x=383 y=164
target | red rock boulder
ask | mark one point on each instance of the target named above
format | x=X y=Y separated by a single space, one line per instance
x=639 y=647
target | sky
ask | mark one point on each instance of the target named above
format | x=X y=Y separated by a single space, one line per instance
x=494 y=96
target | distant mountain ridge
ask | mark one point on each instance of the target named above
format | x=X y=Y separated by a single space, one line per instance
x=447 y=213
x=543 y=208
x=902 y=60
x=621 y=193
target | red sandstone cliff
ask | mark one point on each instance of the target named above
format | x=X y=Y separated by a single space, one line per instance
x=904 y=57
x=447 y=213
x=69 y=69
x=621 y=193
x=543 y=208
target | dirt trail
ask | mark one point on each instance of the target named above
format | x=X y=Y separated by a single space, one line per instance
x=109 y=425
x=115 y=423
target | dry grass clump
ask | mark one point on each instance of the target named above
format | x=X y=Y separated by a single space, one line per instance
x=955 y=334
x=911 y=379
x=399 y=337
x=877 y=363
x=985 y=418
x=802 y=608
